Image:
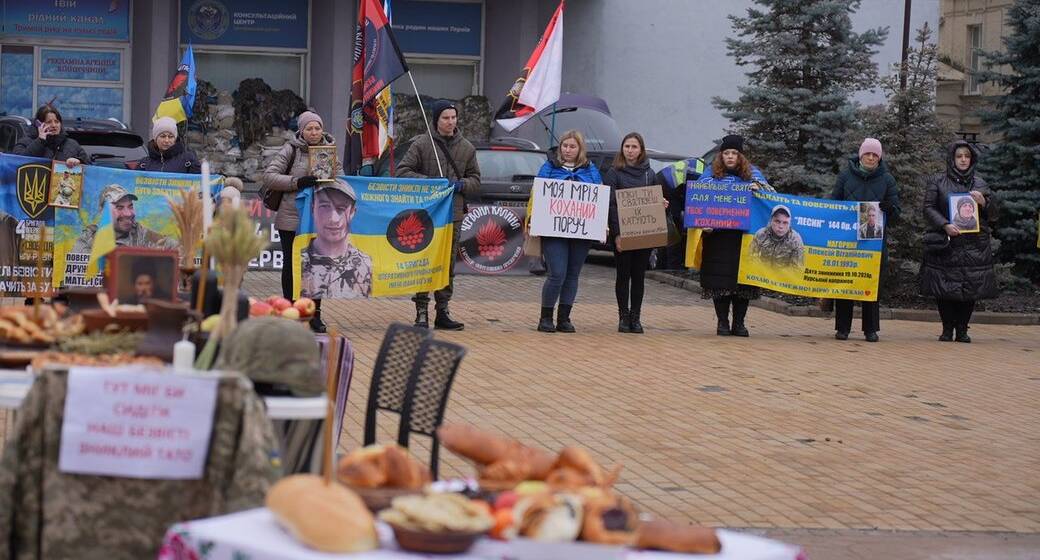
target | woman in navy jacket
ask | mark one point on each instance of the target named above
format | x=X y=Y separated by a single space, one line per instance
x=564 y=257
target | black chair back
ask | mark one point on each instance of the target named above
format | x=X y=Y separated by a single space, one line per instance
x=394 y=365
x=427 y=394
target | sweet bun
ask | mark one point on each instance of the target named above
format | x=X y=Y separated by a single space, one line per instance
x=548 y=517
x=325 y=517
x=665 y=535
x=609 y=520
x=402 y=471
x=579 y=460
x=364 y=468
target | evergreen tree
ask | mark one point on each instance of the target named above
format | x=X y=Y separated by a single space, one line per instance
x=1012 y=166
x=796 y=110
x=913 y=138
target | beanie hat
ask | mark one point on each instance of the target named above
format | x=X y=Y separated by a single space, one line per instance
x=306 y=118
x=440 y=106
x=276 y=351
x=732 y=142
x=164 y=124
x=870 y=146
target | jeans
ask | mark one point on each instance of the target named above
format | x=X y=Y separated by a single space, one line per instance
x=630 y=277
x=564 y=259
x=443 y=296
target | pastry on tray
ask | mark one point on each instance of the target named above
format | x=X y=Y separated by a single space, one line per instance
x=674 y=537
x=382 y=466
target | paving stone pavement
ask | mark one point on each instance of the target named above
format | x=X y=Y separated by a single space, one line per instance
x=789 y=430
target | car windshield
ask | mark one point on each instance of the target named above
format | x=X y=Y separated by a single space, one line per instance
x=502 y=165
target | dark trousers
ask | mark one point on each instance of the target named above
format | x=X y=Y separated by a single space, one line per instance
x=843 y=315
x=443 y=296
x=287 y=238
x=955 y=314
x=740 y=307
x=630 y=277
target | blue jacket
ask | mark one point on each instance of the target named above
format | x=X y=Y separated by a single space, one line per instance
x=178 y=159
x=586 y=173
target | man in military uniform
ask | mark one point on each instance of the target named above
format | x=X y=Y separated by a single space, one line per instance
x=776 y=244
x=124 y=221
x=331 y=266
x=871 y=228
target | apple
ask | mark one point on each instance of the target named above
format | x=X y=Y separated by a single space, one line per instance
x=291 y=313
x=305 y=306
x=270 y=299
x=506 y=500
x=259 y=309
x=281 y=304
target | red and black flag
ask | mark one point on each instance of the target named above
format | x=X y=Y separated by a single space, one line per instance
x=539 y=83
x=377 y=62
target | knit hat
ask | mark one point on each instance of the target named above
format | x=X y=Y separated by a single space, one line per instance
x=439 y=107
x=276 y=351
x=164 y=124
x=732 y=142
x=306 y=118
x=870 y=146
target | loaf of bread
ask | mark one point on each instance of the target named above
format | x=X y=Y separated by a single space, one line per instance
x=665 y=535
x=488 y=449
x=382 y=466
x=325 y=517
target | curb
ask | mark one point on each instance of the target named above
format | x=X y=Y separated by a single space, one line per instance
x=923 y=315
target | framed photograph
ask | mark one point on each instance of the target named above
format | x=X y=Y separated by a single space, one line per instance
x=136 y=274
x=66 y=185
x=964 y=213
x=323 y=162
x=871 y=221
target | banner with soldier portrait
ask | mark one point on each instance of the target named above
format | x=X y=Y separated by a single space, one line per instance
x=141 y=217
x=24 y=213
x=372 y=237
x=813 y=247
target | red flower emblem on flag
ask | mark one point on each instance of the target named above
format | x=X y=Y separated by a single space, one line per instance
x=491 y=240
x=410 y=231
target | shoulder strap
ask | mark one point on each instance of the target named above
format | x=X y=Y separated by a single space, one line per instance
x=292 y=159
x=444 y=150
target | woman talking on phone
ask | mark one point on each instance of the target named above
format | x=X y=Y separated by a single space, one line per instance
x=49 y=140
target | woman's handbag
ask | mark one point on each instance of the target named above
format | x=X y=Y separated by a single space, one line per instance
x=674 y=233
x=532 y=245
x=935 y=241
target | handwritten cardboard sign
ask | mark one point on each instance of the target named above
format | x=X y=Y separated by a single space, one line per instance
x=718 y=205
x=641 y=218
x=136 y=423
x=569 y=209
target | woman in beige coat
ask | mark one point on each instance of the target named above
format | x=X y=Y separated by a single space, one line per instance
x=288 y=173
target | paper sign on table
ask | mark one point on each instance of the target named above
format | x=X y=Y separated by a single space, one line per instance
x=641 y=218
x=569 y=209
x=136 y=423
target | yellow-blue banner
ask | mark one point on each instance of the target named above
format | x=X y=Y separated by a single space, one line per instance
x=372 y=237
x=813 y=247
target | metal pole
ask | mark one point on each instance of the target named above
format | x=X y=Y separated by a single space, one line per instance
x=906 y=44
x=427 y=121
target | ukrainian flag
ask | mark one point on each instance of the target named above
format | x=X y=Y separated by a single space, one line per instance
x=180 y=94
x=404 y=225
x=104 y=241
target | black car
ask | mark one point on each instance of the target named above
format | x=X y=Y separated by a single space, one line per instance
x=108 y=142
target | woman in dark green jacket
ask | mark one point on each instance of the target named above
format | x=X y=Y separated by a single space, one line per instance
x=866 y=179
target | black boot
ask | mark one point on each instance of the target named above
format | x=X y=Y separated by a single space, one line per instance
x=545 y=324
x=624 y=321
x=316 y=324
x=563 y=319
x=962 y=334
x=422 y=316
x=637 y=327
x=739 y=312
x=947 y=333
x=443 y=321
x=722 y=312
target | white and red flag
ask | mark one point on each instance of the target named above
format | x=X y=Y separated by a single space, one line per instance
x=539 y=83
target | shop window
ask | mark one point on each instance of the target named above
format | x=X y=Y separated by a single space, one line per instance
x=225 y=70
x=82 y=82
x=446 y=80
x=16 y=80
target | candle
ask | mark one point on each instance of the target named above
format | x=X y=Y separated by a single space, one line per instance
x=183 y=355
x=207 y=200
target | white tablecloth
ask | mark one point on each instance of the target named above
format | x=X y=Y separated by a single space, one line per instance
x=255 y=535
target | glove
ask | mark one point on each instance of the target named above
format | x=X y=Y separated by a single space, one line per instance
x=306 y=181
x=885 y=206
x=367 y=170
x=457 y=185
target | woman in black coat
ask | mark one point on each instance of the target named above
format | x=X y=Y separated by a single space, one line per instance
x=866 y=179
x=49 y=140
x=958 y=267
x=631 y=169
x=166 y=153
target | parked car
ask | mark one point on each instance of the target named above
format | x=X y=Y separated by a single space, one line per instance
x=108 y=142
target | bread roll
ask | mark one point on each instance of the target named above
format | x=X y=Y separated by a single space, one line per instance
x=673 y=537
x=402 y=471
x=364 y=468
x=328 y=518
x=582 y=462
x=608 y=519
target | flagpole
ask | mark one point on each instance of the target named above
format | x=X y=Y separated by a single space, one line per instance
x=552 y=129
x=429 y=130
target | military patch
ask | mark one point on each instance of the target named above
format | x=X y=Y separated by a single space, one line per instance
x=410 y=231
x=490 y=240
x=32 y=187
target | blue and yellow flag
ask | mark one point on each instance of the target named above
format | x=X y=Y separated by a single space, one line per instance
x=373 y=237
x=180 y=94
x=104 y=241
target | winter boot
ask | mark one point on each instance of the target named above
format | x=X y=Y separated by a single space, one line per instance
x=422 y=316
x=722 y=312
x=634 y=323
x=624 y=321
x=739 y=312
x=947 y=333
x=563 y=319
x=443 y=321
x=962 y=334
x=316 y=324
x=545 y=323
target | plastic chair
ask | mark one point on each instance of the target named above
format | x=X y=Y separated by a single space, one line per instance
x=427 y=394
x=390 y=376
